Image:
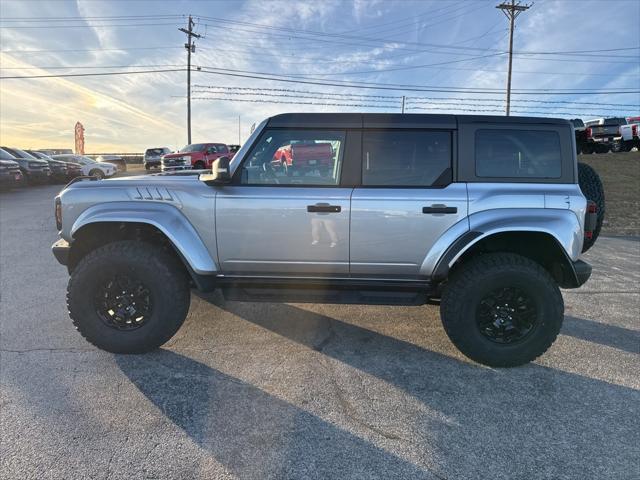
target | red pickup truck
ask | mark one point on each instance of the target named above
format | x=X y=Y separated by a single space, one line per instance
x=304 y=155
x=197 y=156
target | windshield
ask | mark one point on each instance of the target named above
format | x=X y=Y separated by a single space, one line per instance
x=615 y=121
x=237 y=158
x=156 y=151
x=4 y=155
x=195 y=147
x=21 y=154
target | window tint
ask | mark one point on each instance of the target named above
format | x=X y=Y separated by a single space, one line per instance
x=518 y=154
x=295 y=157
x=406 y=158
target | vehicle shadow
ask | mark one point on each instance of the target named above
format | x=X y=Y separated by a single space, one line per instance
x=608 y=335
x=251 y=432
x=474 y=413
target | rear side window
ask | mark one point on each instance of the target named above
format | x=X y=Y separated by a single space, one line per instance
x=518 y=153
x=406 y=158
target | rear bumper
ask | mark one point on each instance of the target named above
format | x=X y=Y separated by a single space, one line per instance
x=61 y=251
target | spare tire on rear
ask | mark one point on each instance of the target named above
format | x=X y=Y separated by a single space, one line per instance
x=592 y=189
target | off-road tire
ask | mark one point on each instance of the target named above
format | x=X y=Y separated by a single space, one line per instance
x=161 y=273
x=592 y=189
x=473 y=280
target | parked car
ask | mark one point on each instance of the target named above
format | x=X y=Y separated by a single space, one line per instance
x=198 y=156
x=153 y=157
x=630 y=134
x=603 y=134
x=68 y=172
x=233 y=148
x=33 y=169
x=59 y=170
x=89 y=166
x=484 y=215
x=116 y=160
x=10 y=174
x=304 y=155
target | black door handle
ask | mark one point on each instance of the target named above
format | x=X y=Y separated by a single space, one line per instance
x=324 y=208
x=439 y=209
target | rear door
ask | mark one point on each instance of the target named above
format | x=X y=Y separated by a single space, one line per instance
x=286 y=221
x=406 y=200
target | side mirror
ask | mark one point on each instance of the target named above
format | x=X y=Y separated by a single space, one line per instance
x=220 y=173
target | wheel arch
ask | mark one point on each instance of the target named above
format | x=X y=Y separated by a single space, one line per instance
x=538 y=245
x=156 y=223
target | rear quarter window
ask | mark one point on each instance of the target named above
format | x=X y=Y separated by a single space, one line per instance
x=504 y=153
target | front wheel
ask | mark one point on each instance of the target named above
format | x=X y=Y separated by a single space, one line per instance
x=99 y=174
x=502 y=309
x=128 y=297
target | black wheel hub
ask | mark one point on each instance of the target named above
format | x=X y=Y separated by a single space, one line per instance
x=123 y=303
x=506 y=315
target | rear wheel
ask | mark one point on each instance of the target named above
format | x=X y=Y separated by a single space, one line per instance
x=502 y=309
x=593 y=190
x=128 y=297
x=199 y=165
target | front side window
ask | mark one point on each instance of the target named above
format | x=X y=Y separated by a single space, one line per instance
x=406 y=158
x=295 y=157
x=518 y=153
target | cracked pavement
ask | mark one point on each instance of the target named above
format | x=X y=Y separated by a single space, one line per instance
x=297 y=391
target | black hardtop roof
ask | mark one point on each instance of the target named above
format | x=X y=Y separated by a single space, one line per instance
x=398 y=120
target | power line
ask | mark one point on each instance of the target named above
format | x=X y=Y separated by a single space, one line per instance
x=97 y=74
x=409 y=98
x=361 y=105
x=91 y=26
x=392 y=86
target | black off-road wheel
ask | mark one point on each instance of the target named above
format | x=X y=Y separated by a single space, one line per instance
x=592 y=189
x=128 y=297
x=502 y=309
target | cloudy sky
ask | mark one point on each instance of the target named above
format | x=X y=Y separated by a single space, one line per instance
x=573 y=58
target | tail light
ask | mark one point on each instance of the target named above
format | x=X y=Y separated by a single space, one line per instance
x=591 y=219
x=634 y=130
x=58 y=213
x=589 y=132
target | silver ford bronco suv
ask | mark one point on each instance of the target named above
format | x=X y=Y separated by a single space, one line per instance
x=485 y=216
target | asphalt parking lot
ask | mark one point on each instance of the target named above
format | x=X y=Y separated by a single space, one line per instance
x=309 y=391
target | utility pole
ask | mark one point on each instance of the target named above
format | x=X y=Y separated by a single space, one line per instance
x=191 y=48
x=402 y=103
x=239 y=130
x=511 y=11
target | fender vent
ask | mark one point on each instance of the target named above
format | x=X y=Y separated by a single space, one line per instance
x=153 y=193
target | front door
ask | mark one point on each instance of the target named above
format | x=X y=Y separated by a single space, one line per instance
x=406 y=201
x=286 y=220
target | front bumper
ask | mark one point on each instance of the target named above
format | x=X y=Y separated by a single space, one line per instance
x=11 y=177
x=171 y=168
x=61 y=251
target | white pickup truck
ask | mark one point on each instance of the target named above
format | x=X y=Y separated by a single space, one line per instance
x=629 y=134
x=617 y=134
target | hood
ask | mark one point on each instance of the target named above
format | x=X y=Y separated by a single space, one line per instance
x=138 y=180
x=9 y=163
x=56 y=163
x=178 y=154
